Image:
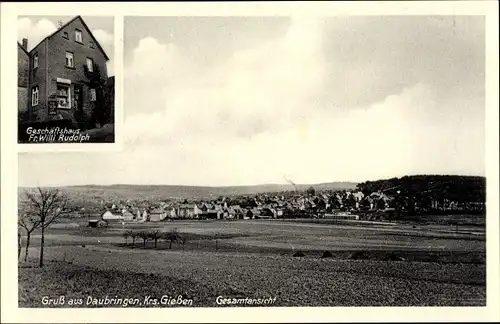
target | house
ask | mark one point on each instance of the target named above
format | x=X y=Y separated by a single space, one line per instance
x=111 y=216
x=173 y=213
x=253 y=214
x=187 y=211
x=236 y=212
x=68 y=68
x=157 y=215
x=127 y=215
x=268 y=212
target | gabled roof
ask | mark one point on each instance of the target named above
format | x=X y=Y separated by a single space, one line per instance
x=65 y=25
x=21 y=46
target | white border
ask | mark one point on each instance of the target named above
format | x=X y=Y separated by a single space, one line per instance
x=10 y=311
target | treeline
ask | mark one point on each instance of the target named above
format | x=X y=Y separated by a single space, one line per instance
x=454 y=188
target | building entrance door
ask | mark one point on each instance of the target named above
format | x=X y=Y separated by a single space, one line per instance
x=78 y=97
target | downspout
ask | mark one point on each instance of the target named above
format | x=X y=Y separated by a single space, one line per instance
x=30 y=110
x=46 y=108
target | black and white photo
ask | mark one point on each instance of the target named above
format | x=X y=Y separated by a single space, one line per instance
x=65 y=79
x=271 y=162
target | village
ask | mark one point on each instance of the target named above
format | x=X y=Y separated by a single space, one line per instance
x=326 y=204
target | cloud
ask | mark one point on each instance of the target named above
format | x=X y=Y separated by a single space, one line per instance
x=272 y=109
x=255 y=90
x=34 y=32
x=259 y=115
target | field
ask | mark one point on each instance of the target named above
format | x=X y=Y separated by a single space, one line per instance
x=369 y=265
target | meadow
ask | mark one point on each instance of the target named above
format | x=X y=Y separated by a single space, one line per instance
x=384 y=264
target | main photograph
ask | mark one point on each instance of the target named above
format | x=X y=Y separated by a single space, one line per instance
x=273 y=161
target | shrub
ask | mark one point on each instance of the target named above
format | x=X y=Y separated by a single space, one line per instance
x=393 y=257
x=358 y=255
x=327 y=254
x=299 y=254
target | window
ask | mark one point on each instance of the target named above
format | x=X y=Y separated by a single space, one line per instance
x=63 y=96
x=78 y=36
x=35 y=61
x=90 y=64
x=65 y=35
x=34 y=96
x=92 y=95
x=91 y=44
x=69 y=59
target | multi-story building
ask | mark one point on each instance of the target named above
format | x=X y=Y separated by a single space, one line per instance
x=23 y=62
x=66 y=78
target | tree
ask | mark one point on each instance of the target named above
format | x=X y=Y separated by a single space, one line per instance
x=172 y=236
x=311 y=191
x=46 y=206
x=29 y=222
x=18 y=244
x=102 y=113
x=133 y=235
x=126 y=235
x=183 y=238
x=155 y=235
x=380 y=204
x=144 y=236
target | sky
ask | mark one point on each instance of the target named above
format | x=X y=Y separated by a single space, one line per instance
x=252 y=100
x=36 y=28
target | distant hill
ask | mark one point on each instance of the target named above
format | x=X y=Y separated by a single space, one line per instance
x=170 y=191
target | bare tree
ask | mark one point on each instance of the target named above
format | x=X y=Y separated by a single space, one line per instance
x=144 y=236
x=29 y=222
x=172 y=236
x=183 y=238
x=155 y=235
x=19 y=247
x=48 y=205
x=133 y=235
x=126 y=235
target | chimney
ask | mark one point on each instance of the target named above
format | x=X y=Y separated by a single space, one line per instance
x=25 y=43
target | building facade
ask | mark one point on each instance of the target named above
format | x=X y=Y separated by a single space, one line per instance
x=67 y=68
x=23 y=62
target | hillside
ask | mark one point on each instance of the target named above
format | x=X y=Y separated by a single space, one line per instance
x=451 y=187
x=123 y=191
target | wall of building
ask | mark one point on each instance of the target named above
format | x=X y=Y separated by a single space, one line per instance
x=22 y=99
x=38 y=78
x=58 y=46
x=111 y=98
x=22 y=67
x=22 y=79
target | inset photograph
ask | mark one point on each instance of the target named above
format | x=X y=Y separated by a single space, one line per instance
x=66 y=82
